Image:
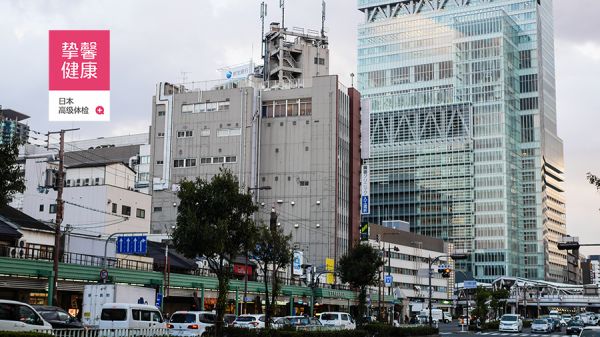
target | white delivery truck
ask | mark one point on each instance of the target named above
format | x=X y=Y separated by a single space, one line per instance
x=437 y=315
x=96 y=295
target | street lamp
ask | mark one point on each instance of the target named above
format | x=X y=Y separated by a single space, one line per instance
x=457 y=256
x=256 y=188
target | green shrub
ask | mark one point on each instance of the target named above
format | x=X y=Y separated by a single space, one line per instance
x=382 y=330
x=22 y=334
x=238 y=332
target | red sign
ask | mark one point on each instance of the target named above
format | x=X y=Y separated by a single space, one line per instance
x=238 y=269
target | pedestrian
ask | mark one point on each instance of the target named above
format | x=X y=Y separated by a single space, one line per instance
x=406 y=319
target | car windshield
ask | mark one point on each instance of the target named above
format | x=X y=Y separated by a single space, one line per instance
x=590 y=333
x=575 y=322
x=113 y=314
x=539 y=321
x=183 y=318
x=245 y=319
x=510 y=318
x=329 y=317
x=299 y=321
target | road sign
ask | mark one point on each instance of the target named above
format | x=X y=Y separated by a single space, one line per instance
x=104 y=274
x=364 y=205
x=132 y=244
x=470 y=284
x=388 y=280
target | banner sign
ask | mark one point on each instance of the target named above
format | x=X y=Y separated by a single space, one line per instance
x=79 y=75
x=365 y=190
x=297 y=265
x=330 y=266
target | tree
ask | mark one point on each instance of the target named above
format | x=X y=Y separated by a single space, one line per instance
x=213 y=220
x=499 y=297
x=482 y=295
x=12 y=179
x=273 y=250
x=360 y=267
x=593 y=179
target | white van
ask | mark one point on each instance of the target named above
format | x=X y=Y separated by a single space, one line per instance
x=131 y=316
x=340 y=320
x=437 y=315
x=18 y=316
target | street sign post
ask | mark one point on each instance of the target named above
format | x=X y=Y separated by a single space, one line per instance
x=137 y=244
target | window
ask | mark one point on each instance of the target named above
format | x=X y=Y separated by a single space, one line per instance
x=529 y=103
x=218 y=160
x=184 y=134
x=445 y=69
x=159 y=162
x=125 y=210
x=187 y=108
x=86 y=182
x=319 y=60
x=190 y=162
x=527 y=128
x=41 y=208
x=161 y=113
x=114 y=207
x=179 y=163
x=52 y=209
x=160 y=134
x=400 y=75
x=78 y=182
x=205 y=133
x=140 y=213
x=212 y=106
x=303 y=182
x=424 y=72
x=113 y=314
x=230 y=159
x=157 y=209
x=206 y=160
x=229 y=132
x=525 y=59
x=528 y=83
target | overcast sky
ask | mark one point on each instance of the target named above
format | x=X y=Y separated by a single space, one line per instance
x=157 y=40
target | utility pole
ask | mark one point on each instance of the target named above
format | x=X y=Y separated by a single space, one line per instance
x=60 y=178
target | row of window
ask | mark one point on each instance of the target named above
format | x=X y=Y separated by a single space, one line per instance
x=191 y=162
x=126 y=210
x=205 y=107
x=223 y=132
x=287 y=108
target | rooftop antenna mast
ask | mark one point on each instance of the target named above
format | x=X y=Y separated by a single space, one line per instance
x=323 y=19
x=263 y=13
x=282 y=6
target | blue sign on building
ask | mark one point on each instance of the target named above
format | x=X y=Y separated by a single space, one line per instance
x=388 y=280
x=470 y=284
x=158 y=300
x=364 y=204
x=132 y=244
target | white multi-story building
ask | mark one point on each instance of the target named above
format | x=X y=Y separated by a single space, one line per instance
x=406 y=257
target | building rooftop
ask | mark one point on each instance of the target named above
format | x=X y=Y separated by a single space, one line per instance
x=12 y=114
x=13 y=217
x=101 y=156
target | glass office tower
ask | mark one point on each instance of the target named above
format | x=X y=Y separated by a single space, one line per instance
x=463 y=141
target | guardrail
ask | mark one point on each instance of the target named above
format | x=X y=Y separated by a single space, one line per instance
x=110 y=332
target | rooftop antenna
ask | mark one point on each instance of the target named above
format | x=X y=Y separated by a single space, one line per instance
x=184 y=76
x=282 y=6
x=323 y=19
x=263 y=13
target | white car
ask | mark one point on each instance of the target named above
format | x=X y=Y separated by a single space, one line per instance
x=541 y=325
x=190 y=323
x=18 y=316
x=340 y=320
x=250 y=322
x=511 y=322
x=590 y=331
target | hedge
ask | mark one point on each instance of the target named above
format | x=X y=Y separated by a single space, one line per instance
x=382 y=330
x=379 y=330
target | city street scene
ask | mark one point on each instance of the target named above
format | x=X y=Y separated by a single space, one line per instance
x=325 y=168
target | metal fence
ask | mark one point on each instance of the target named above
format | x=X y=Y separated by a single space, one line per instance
x=109 y=332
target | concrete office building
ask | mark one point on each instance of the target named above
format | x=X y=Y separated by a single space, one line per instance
x=463 y=141
x=296 y=131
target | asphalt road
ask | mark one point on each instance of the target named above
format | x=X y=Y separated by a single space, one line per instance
x=453 y=330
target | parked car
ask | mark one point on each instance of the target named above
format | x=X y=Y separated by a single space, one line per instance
x=18 y=316
x=228 y=319
x=340 y=320
x=304 y=322
x=554 y=322
x=511 y=322
x=541 y=325
x=280 y=322
x=130 y=316
x=590 y=331
x=567 y=318
x=58 y=317
x=250 y=322
x=574 y=327
x=190 y=323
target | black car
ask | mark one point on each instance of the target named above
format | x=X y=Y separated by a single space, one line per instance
x=58 y=318
x=574 y=327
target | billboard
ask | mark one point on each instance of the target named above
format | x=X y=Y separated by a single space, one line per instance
x=238 y=72
x=79 y=75
x=330 y=266
x=365 y=190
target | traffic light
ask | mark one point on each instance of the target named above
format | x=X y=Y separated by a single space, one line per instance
x=446 y=272
x=568 y=245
